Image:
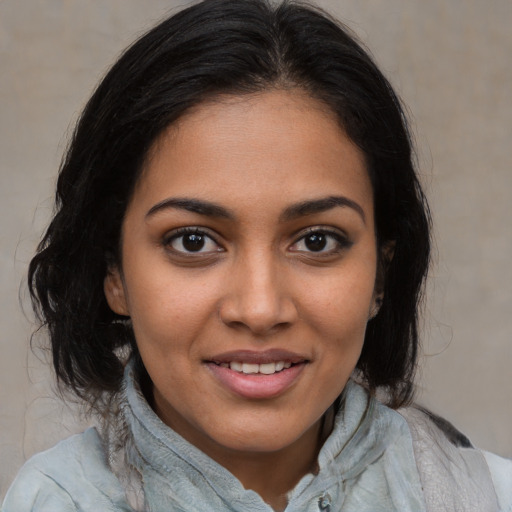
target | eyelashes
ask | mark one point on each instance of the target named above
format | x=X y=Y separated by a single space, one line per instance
x=321 y=241
x=195 y=241
x=191 y=241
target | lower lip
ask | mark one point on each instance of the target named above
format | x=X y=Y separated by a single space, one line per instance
x=257 y=386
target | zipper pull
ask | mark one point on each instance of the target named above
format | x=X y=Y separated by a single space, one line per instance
x=324 y=502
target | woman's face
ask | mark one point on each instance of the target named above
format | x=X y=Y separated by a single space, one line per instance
x=248 y=270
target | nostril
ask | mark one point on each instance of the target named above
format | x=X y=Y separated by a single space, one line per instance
x=261 y=318
x=262 y=330
x=235 y=324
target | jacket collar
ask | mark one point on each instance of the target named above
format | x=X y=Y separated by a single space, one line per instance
x=178 y=476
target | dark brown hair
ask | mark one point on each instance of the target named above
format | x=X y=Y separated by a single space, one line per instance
x=223 y=47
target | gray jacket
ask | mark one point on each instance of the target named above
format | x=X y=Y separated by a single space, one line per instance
x=376 y=459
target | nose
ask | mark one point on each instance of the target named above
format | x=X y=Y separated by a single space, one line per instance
x=258 y=297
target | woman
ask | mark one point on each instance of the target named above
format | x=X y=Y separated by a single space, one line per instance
x=233 y=272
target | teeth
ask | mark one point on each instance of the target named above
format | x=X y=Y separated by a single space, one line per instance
x=236 y=366
x=268 y=368
x=250 y=368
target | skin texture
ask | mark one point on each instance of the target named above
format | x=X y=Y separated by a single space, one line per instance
x=255 y=284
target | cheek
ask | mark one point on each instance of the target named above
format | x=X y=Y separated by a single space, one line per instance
x=340 y=302
x=338 y=310
x=167 y=310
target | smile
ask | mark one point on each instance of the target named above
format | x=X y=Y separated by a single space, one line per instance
x=252 y=368
x=257 y=375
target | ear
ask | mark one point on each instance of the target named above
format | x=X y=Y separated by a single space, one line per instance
x=385 y=256
x=113 y=288
x=386 y=253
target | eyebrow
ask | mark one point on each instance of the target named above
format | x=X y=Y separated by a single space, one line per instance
x=294 y=211
x=192 y=205
x=321 y=205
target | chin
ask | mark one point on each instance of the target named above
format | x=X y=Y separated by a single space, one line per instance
x=273 y=436
x=258 y=443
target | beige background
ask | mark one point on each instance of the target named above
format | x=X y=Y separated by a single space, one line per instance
x=451 y=62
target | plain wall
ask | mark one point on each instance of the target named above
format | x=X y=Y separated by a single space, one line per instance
x=450 y=61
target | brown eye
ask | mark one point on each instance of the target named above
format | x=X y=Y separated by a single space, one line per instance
x=321 y=241
x=316 y=242
x=192 y=242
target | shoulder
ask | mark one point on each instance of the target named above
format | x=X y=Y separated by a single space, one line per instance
x=501 y=474
x=73 y=475
x=452 y=470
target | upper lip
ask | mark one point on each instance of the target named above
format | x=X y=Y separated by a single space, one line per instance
x=255 y=357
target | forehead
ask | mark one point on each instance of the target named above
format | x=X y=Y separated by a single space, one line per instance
x=256 y=147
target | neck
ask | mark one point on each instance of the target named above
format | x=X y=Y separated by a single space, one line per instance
x=272 y=475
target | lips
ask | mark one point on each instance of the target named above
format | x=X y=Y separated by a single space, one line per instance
x=257 y=375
